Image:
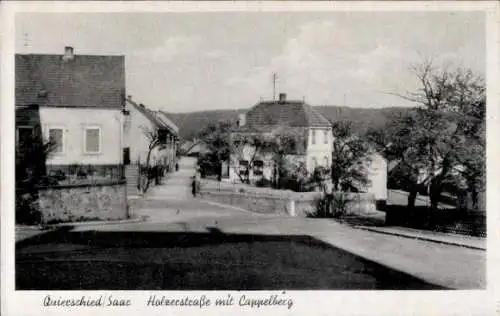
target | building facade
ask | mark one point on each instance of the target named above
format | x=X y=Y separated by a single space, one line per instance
x=144 y=126
x=311 y=131
x=76 y=102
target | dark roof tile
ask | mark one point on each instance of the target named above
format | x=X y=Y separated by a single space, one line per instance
x=84 y=81
x=292 y=113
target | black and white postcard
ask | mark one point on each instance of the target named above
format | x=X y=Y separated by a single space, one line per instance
x=281 y=158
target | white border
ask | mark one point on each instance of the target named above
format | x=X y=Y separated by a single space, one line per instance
x=305 y=302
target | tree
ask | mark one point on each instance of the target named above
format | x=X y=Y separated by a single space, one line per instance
x=156 y=139
x=31 y=156
x=442 y=139
x=349 y=157
x=217 y=137
x=248 y=146
x=286 y=144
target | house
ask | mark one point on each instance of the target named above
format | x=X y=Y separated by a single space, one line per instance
x=142 y=127
x=194 y=148
x=314 y=140
x=77 y=102
x=376 y=168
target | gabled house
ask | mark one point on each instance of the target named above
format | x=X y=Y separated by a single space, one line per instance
x=77 y=102
x=194 y=148
x=142 y=126
x=376 y=168
x=314 y=131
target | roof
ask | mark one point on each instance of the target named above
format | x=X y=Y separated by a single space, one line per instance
x=291 y=113
x=84 y=81
x=164 y=117
x=156 y=117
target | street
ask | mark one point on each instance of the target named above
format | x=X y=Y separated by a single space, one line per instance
x=190 y=244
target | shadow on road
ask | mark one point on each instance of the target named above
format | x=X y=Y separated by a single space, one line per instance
x=215 y=260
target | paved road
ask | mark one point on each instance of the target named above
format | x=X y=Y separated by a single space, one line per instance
x=210 y=246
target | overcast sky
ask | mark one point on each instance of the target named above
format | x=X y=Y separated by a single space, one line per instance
x=183 y=62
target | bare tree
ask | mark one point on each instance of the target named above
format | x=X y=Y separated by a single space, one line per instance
x=288 y=143
x=432 y=141
x=247 y=146
x=156 y=140
x=349 y=157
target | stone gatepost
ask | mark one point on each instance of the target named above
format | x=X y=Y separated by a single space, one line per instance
x=291 y=208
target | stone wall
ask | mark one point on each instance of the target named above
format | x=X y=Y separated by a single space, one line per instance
x=271 y=201
x=106 y=201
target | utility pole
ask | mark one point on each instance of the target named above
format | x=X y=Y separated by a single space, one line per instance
x=275 y=77
x=345 y=99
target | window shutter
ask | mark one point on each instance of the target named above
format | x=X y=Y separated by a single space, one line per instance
x=92 y=140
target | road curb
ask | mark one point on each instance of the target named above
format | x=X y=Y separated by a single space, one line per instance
x=95 y=223
x=224 y=205
x=410 y=236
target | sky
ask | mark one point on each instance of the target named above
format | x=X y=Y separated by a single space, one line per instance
x=183 y=62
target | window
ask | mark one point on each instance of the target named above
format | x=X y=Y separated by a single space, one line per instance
x=313 y=137
x=314 y=163
x=162 y=136
x=325 y=137
x=92 y=140
x=326 y=162
x=243 y=169
x=56 y=138
x=258 y=167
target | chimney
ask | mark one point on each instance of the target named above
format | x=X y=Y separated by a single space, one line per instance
x=68 y=53
x=242 y=120
x=282 y=97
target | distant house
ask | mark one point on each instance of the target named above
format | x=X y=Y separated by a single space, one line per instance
x=314 y=149
x=141 y=126
x=77 y=102
x=376 y=173
x=194 y=148
x=143 y=121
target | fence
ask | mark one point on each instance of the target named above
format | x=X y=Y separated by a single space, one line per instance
x=84 y=174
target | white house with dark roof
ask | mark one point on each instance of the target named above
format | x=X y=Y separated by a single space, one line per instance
x=314 y=150
x=315 y=131
x=77 y=102
x=140 y=123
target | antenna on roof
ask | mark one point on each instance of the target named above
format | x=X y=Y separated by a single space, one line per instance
x=275 y=78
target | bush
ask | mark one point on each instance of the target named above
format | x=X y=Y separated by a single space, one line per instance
x=263 y=183
x=27 y=211
x=336 y=209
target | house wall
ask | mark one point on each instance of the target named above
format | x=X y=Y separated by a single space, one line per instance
x=377 y=176
x=247 y=154
x=73 y=122
x=319 y=149
x=136 y=140
x=135 y=136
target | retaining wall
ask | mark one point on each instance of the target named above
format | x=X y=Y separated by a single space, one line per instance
x=265 y=200
x=106 y=201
